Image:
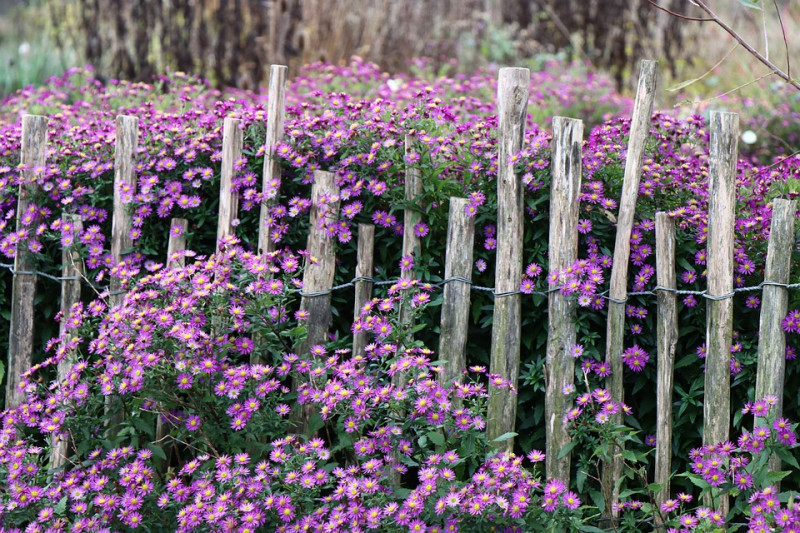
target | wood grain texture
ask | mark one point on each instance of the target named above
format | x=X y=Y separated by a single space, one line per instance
x=512 y=101
x=639 y=132
x=23 y=287
x=71 y=267
x=719 y=322
x=271 y=180
x=319 y=272
x=456 y=298
x=771 y=367
x=667 y=339
x=125 y=148
x=411 y=243
x=232 y=137
x=177 y=242
x=565 y=185
x=363 y=289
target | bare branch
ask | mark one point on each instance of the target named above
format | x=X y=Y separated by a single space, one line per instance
x=678 y=15
x=755 y=53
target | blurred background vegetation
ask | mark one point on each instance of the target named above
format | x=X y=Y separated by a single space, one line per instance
x=233 y=42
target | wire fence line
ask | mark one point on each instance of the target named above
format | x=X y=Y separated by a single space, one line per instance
x=442 y=283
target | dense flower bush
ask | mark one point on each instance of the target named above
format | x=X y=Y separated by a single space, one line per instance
x=350 y=120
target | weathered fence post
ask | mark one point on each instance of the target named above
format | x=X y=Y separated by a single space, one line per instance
x=71 y=272
x=775 y=299
x=125 y=147
x=320 y=269
x=177 y=242
x=565 y=187
x=363 y=290
x=271 y=180
x=455 y=304
x=318 y=276
x=411 y=242
x=232 y=138
x=667 y=338
x=512 y=103
x=20 y=339
x=719 y=325
x=618 y=292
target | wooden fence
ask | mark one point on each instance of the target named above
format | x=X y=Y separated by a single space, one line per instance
x=563 y=241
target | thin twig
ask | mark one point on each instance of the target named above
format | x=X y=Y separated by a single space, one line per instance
x=691 y=82
x=726 y=93
x=785 y=42
x=678 y=15
x=764 y=27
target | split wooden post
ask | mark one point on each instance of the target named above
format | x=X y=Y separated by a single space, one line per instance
x=667 y=339
x=512 y=101
x=23 y=290
x=719 y=324
x=618 y=292
x=565 y=187
x=318 y=275
x=177 y=242
x=456 y=298
x=771 y=367
x=271 y=180
x=71 y=272
x=320 y=269
x=363 y=290
x=232 y=139
x=125 y=148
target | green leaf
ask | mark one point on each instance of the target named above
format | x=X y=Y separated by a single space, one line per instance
x=787 y=457
x=157 y=451
x=436 y=438
x=505 y=436
x=60 y=507
x=315 y=423
x=2 y=371
x=423 y=440
x=566 y=449
x=597 y=498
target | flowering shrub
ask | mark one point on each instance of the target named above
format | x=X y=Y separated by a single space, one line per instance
x=176 y=352
x=351 y=120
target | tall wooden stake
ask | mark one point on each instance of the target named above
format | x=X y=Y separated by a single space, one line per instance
x=364 y=263
x=719 y=325
x=667 y=339
x=640 y=130
x=23 y=290
x=455 y=305
x=71 y=271
x=512 y=101
x=565 y=186
x=271 y=181
x=232 y=139
x=771 y=337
